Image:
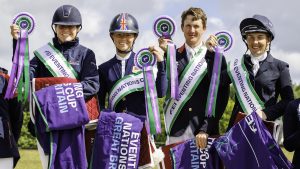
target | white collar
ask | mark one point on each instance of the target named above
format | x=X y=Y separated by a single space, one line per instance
x=123 y=58
x=193 y=50
x=258 y=58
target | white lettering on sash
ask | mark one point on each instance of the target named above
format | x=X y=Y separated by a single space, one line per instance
x=194 y=155
x=67 y=96
x=125 y=143
x=242 y=85
x=187 y=84
x=56 y=63
x=199 y=157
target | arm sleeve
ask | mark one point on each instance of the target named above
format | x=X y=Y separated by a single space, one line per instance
x=89 y=76
x=223 y=92
x=34 y=62
x=161 y=80
x=102 y=93
x=284 y=86
x=222 y=99
x=224 y=77
x=291 y=131
x=202 y=126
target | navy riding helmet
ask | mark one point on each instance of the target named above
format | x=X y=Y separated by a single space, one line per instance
x=258 y=23
x=124 y=23
x=67 y=15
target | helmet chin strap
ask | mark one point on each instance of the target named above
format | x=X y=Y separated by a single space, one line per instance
x=245 y=42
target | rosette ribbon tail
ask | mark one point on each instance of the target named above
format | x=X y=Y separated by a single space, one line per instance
x=172 y=73
x=19 y=77
x=152 y=110
x=214 y=84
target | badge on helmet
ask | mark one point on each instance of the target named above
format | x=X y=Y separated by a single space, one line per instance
x=258 y=23
x=124 y=23
x=67 y=15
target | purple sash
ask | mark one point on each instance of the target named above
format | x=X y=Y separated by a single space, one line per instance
x=249 y=145
x=60 y=124
x=117 y=142
x=62 y=106
x=186 y=156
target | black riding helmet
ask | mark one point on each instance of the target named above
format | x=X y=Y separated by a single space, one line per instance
x=124 y=23
x=258 y=23
x=67 y=15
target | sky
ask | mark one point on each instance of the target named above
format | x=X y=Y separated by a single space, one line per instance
x=97 y=15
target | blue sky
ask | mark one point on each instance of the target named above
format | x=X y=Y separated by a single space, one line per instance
x=97 y=15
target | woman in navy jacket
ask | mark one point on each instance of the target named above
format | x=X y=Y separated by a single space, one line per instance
x=66 y=24
x=122 y=64
x=270 y=77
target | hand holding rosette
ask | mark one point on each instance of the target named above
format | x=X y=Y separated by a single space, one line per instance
x=164 y=28
x=145 y=61
x=224 y=42
x=19 y=77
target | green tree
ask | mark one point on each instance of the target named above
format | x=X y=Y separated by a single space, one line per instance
x=26 y=141
x=296 y=89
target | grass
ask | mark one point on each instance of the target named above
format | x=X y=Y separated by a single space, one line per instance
x=30 y=159
x=289 y=155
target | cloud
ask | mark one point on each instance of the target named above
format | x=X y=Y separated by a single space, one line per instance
x=215 y=22
x=92 y=23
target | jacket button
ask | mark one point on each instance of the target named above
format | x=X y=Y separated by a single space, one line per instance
x=190 y=109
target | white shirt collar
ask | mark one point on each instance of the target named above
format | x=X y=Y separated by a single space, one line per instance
x=259 y=58
x=193 y=50
x=123 y=58
x=255 y=61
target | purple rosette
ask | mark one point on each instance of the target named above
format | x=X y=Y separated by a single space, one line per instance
x=25 y=21
x=164 y=26
x=144 y=58
x=225 y=40
x=19 y=76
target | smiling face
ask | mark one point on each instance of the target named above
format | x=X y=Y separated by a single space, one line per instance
x=66 y=33
x=192 y=30
x=123 y=41
x=258 y=43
